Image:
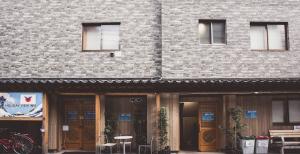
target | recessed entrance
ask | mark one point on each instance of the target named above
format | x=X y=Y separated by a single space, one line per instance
x=189 y=126
x=79 y=123
x=199 y=120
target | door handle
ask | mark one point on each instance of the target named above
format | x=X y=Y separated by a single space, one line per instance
x=81 y=117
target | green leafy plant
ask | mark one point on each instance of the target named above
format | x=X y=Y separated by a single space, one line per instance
x=110 y=125
x=235 y=131
x=163 y=133
x=140 y=133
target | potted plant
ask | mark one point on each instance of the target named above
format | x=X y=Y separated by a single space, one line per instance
x=163 y=133
x=234 y=132
x=247 y=144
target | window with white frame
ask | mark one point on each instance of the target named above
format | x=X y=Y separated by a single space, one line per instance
x=268 y=36
x=101 y=37
x=212 y=31
x=286 y=111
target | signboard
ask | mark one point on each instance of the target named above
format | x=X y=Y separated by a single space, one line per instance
x=251 y=114
x=65 y=128
x=297 y=127
x=18 y=104
x=208 y=116
x=89 y=115
x=125 y=117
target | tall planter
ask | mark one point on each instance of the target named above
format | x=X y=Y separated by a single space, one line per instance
x=163 y=133
x=234 y=132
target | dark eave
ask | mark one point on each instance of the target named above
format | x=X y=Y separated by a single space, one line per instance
x=150 y=84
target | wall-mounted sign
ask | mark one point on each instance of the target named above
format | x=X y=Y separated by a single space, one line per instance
x=136 y=100
x=208 y=116
x=72 y=115
x=89 y=115
x=125 y=117
x=18 y=104
x=65 y=128
x=251 y=114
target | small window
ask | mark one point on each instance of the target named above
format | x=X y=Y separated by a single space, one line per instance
x=294 y=111
x=286 y=111
x=101 y=37
x=268 y=36
x=212 y=31
x=278 y=111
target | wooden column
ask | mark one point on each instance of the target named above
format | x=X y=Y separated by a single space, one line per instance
x=157 y=103
x=98 y=119
x=45 y=124
x=174 y=122
x=171 y=102
x=53 y=123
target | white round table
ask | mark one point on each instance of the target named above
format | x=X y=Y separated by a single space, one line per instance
x=123 y=138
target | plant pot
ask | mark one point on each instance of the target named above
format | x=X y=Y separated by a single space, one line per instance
x=247 y=146
x=166 y=150
x=262 y=144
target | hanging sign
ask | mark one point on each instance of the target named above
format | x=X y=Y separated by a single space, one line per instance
x=18 y=104
x=251 y=114
x=208 y=116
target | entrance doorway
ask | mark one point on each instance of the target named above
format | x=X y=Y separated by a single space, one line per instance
x=79 y=123
x=189 y=126
x=207 y=136
x=126 y=115
x=199 y=121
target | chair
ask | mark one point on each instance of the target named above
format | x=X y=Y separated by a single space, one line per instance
x=147 y=146
x=106 y=144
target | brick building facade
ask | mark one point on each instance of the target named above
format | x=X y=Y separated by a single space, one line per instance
x=160 y=62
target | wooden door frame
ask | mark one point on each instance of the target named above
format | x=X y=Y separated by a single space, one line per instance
x=98 y=103
x=216 y=121
x=61 y=111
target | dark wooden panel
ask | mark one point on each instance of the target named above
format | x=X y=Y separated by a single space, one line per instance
x=262 y=104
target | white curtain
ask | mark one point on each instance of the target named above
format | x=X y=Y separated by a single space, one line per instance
x=258 y=36
x=204 y=33
x=277 y=111
x=110 y=37
x=276 y=35
x=92 y=38
x=218 y=32
x=294 y=110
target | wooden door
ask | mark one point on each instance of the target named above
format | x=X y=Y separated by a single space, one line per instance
x=207 y=135
x=79 y=116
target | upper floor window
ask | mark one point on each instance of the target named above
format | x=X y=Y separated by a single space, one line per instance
x=268 y=36
x=101 y=37
x=212 y=31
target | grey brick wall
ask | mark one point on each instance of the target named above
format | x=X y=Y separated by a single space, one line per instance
x=42 y=38
x=184 y=57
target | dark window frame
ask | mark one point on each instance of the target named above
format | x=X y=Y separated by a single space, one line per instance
x=286 y=118
x=83 y=25
x=211 y=21
x=265 y=24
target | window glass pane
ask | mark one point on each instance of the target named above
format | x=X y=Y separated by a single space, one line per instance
x=218 y=32
x=204 y=32
x=277 y=111
x=258 y=36
x=276 y=37
x=91 y=38
x=110 y=37
x=294 y=110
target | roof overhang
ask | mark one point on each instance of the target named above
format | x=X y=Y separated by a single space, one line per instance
x=149 y=84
